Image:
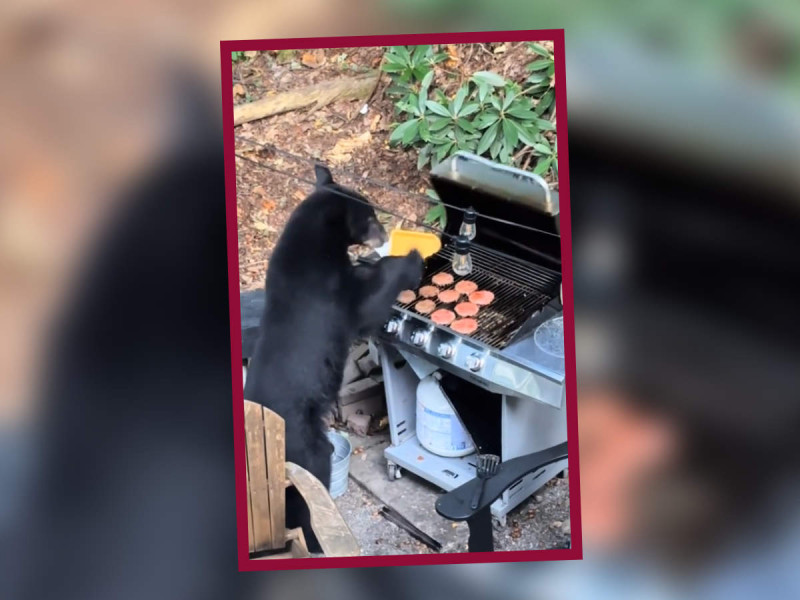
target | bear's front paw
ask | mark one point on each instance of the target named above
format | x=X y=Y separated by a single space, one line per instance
x=414 y=266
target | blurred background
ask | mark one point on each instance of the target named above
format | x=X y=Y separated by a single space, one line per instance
x=116 y=467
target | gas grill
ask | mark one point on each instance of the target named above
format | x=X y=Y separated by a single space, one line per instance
x=506 y=388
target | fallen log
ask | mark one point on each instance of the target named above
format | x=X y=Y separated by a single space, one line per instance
x=317 y=95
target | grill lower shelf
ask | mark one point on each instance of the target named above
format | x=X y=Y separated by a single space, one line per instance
x=450 y=473
x=446 y=473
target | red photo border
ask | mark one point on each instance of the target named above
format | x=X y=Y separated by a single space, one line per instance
x=575 y=552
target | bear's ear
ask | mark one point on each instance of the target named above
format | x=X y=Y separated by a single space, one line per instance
x=323 y=174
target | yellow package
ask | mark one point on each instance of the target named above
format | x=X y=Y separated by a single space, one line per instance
x=402 y=241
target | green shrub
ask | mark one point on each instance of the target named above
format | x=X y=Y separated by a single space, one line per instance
x=488 y=115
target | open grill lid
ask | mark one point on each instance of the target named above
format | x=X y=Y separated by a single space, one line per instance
x=465 y=180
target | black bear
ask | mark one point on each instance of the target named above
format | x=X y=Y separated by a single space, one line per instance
x=317 y=304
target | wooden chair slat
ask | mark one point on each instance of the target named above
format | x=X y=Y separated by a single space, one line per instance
x=330 y=528
x=250 y=534
x=274 y=427
x=257 y=468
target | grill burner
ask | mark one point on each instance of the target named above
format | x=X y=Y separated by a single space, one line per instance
x=520 y=289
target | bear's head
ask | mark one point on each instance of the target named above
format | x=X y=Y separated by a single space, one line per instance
x=362 y=224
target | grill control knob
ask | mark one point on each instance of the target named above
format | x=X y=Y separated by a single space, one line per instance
x=392 y=326
x=419 y=337
x=474 y=362
x=446 y=350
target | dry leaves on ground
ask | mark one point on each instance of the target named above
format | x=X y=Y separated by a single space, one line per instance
x=343 y=150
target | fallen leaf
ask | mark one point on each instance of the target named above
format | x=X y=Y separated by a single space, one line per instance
x=299 y=195
x=452 y=53
x=268 y=206
x=239 y=91
x=500 y=49
x=251 y=53
x=314 y=59
x=374 y=121
x=343 y=149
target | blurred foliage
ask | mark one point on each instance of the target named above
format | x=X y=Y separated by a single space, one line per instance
x=488 y=115
x=437 y=214
x=237 y=56
x=763 y=33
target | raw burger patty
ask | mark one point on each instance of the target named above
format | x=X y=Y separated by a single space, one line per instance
x=481 y=297
x=464 y=326
x=448 y=296
x=429 y=291
x=424 y=306
x=442 y=279
x=466 y=287
x=466 y=309
x=442 y=316
x=406 y=296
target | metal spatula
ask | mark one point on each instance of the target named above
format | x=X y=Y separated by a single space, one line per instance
x=486 y=468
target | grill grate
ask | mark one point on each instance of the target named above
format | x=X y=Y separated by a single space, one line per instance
x=520 y=289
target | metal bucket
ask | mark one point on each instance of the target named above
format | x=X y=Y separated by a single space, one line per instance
x=340 y=463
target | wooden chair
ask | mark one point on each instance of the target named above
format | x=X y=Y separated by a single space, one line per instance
x=268 y=476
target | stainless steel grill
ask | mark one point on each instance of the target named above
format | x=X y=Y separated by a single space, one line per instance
x=520 y=289
x=507 y=390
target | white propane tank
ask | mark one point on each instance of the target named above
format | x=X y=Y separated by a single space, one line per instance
x=438 y=427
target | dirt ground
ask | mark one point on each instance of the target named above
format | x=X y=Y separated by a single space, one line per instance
x=541 y=522
x=350 y=142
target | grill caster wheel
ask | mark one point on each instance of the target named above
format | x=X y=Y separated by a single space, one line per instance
x=499 y=522
x=393 y=471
